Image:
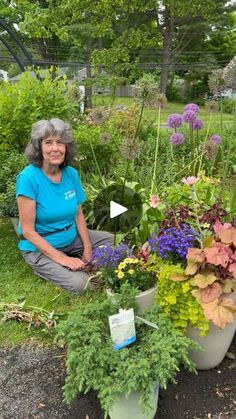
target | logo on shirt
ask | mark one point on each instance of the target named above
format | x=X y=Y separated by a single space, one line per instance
x=69 y=195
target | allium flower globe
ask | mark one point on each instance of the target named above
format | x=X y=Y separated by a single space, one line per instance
x=215 y=139
x=177 y=138
x=197 y=124
x=189 y=116
x=175 y=120
x=191 y=107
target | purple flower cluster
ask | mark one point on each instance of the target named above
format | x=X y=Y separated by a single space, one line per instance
x=189 y=116
x=108 y=256
x=191 y=107
x=215 y=138
x=173 y=241
x=197 y=124
x=177 y=138
x=175 y=120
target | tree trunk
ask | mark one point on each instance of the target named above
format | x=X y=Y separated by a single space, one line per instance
x=168 y=31
x=88 y=89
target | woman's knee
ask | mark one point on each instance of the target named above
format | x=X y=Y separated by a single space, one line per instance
x=77 y=282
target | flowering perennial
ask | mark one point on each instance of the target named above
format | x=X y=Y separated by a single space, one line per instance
x=109 y=256
x=175 y=120
x=191 y=107
x=215 y=139
x=177 y=138
x=173 y=241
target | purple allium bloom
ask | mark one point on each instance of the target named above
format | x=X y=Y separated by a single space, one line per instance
x=173 y=241
x=175 y=120
x=189 y=116
x=215 y=139
x=109 y=256
x=118 y=107
x=177 y=138
x=191 y=107
x=197 y=124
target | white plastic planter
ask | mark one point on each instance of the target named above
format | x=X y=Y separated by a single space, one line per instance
x=130 y=408
x=144 y=300
x=214 y=346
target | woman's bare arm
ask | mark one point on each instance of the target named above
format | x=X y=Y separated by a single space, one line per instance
x=84 y=234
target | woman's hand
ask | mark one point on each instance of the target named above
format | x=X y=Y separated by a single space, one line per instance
x=71 y=263
x=87 y=255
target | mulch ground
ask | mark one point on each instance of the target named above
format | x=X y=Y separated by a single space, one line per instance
x=31 y=381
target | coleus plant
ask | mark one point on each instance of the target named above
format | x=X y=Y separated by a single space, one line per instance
x=212 y=270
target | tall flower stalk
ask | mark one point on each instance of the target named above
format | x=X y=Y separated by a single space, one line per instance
x=156 y=149
x=204 y=143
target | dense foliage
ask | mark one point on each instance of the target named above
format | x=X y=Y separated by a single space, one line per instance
x=92 y=363
x=27 y=101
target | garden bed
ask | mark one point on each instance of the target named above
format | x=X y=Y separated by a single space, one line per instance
x=32 y=378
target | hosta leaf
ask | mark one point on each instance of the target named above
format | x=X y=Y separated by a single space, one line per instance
x=220 y=311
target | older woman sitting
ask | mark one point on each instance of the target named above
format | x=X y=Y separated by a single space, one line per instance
x=55 y=240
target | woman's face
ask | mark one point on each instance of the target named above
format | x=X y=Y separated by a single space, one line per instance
x=53 y=150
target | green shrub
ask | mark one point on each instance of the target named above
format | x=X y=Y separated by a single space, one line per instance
x=11 y=163
x=228 y=105
x=90 y=142
x=92 y=363
x=27 y=101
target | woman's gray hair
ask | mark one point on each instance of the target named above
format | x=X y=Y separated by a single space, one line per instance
x=43 y=129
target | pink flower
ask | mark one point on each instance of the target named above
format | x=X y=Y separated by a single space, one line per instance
x=154 y=201
x=190 y=180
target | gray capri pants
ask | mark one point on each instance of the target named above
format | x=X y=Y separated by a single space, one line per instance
x=49 y=270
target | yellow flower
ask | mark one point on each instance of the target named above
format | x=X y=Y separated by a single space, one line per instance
x=122 y=265
x=131 y=271
x=120 y=275
x=206 y=225
x=134 y=260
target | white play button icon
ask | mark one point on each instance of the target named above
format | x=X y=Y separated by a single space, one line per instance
x=116 y=209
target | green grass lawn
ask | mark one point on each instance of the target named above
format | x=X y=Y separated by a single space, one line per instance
x=18 y=284
x=151 y=114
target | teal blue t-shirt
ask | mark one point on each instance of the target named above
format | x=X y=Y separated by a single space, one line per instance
x=56 y=203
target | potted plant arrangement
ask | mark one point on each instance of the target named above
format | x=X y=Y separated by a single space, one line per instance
x=212 y=272
x=126 y=380
x=197 y=275
x=119 y=265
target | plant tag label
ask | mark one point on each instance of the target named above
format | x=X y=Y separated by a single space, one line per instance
x=122 y=328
